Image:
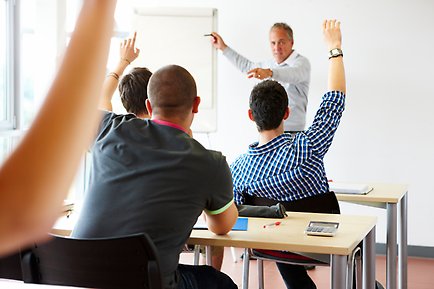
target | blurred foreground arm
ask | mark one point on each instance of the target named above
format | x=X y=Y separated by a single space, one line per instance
x=36 y=177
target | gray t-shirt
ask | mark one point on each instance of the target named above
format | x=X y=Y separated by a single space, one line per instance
x=153 y=178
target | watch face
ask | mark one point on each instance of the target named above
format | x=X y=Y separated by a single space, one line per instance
x=335 y=52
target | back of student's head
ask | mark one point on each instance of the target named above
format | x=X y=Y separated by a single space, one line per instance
x=133 y=90
x=268 y=102
x=172 y=91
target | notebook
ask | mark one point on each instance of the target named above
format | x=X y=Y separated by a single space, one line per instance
x=349 y=188
x=240 y=225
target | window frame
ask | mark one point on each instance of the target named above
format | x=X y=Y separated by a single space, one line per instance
x=12 y=60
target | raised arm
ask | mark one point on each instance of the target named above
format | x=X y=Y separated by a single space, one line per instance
x=333 y=39
x=328 y=116
x=36 y=177
x=128 y=53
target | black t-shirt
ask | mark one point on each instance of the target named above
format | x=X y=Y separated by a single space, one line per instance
x=153 y=178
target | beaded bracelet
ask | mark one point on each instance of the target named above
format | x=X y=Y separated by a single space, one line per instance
x=125 y=59
x=114 y=74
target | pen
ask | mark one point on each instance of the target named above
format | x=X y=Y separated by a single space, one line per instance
x=272 y=224
x=208 y=35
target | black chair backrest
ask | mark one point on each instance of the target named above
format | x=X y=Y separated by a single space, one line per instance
x=109 y=263
x=10 y=267
x=323 y=203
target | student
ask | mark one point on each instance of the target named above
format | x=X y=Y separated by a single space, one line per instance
x=35 y=179
x=150 y=175
x=288 y=67
x=287 y=168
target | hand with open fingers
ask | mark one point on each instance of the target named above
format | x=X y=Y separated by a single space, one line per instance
x=128 y=51
x=332 y=33
x=259 y=73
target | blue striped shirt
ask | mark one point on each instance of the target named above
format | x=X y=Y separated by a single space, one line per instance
x=289 y=168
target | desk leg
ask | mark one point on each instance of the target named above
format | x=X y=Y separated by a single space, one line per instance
x=246 y=263
x=369 y=260
x=196 y=254
x=392 y=252
x=403 y=254
x=338 y=271
x=208 y=254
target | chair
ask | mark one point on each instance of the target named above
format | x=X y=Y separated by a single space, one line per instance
x=195 y=249
x=108 y=263
x=326 y=203
x=10 y=267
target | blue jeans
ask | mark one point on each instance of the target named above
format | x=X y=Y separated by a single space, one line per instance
x=295 y=276
x=203 y=277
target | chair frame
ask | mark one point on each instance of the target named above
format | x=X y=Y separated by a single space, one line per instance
x=326 y=203
x=110 y=263
x=10 y=267
x=354 y=263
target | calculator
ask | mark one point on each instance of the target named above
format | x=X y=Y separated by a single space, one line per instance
x=320 y=228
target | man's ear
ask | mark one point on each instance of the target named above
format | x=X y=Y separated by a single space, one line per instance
x=196 y=103
x=251 y=115
x=148 y=107
x=287 y=113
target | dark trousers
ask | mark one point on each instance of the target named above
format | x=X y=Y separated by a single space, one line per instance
x=295 y=276
x=203 y=277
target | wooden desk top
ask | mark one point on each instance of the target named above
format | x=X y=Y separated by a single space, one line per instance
x=290 y=234
x=381 y=193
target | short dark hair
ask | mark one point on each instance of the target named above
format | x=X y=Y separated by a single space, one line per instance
x=285 y=27
x=172 y=91
x=133 y=90
x=268 y=102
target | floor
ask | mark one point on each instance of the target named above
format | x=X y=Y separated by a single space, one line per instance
x=420 y=272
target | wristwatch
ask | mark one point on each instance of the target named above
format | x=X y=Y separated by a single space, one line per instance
x=335 y=52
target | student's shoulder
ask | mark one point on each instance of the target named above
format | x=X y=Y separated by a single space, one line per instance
x=215 y=156
x=108 y=116
x=110 y=119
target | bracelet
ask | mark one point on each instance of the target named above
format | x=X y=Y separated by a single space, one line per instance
x=114 y=74
x=125 y=59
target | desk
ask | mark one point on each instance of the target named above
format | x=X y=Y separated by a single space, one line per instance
x=289 y=235
x=388 y=196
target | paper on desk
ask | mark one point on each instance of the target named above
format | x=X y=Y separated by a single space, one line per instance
x=240 y=225
x=350 y=188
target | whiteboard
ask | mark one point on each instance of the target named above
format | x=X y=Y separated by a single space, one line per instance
x=175 y=35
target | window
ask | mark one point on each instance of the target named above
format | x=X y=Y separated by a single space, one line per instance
x=30 y=50
x=6 y=72
x=39 y=33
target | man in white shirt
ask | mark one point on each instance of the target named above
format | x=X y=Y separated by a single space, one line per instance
x=288 y=67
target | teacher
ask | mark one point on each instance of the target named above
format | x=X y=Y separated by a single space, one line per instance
x=288 y=67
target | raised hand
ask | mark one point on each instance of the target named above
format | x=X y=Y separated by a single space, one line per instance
x=332 y=33
x=128 y=51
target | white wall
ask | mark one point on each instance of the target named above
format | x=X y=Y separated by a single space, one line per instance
x=387 y=128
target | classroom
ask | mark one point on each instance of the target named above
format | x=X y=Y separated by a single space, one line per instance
x=383 y=138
